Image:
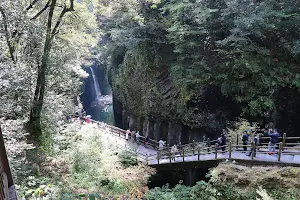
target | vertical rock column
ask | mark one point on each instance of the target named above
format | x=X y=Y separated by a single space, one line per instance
x=146 y=128
x=174 y=134
x=157 y=131
x=124 y=119
x=132 y=123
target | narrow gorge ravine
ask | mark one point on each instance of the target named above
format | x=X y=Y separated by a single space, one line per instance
x=96 y=96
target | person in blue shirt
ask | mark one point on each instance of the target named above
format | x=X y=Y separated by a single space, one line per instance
x=223 y=142
x=273 y=139
x=245 y=139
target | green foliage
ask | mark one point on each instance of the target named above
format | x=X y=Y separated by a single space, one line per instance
x=215 y=191
x=238 y=129
x=127 y=159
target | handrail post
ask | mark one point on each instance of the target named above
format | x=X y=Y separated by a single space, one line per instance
x=147 y=158
x=170 y=155
x=193 y=147
x=198 y=153
x=283 y=140
x=237 y=141
x=158 y=156
x=183 y=154
x=216 y=151
x=208 y=144
x=279 y=151
x=253 y=150
x=230 y=149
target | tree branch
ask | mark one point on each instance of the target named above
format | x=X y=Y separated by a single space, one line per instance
x=7 y=35
x=31 y=5
x=41 y=11
x=63 y=12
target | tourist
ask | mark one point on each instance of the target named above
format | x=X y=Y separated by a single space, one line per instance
x=147 y=140
x=273 y=140
x=127 y=134
x=223 y=142
x=245 y=139
x=174 y=150
x=137 y=137
x=88 y=119
x=219 y=141
x=133 y=135
x=161 y=144
x=77 y=115
x=255 y=141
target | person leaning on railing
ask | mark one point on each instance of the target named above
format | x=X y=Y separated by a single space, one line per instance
x=273 y=139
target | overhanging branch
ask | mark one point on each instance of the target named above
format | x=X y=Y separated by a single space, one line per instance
x=59 y=20
x=31 y=4
x=41 y=11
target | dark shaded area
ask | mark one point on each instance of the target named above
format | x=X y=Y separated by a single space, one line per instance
x=173 y=177
x=288 y=111
x=117 y=109
x=164 y=131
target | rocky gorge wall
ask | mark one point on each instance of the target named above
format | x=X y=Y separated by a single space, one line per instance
x=146 y=99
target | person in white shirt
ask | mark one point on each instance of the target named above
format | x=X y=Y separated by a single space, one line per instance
x=137 y=137
x=161 y=144
x=127 y=134
x=174 y=151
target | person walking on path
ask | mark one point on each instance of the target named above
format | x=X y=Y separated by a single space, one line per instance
x=161 y=144
x=137 y=137
x=245 y=139
x=273 y=140
x=127 y=134
x=133 y=135
x=174 y=150
x=255 y=141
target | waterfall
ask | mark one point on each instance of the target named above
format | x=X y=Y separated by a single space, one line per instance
x=96 y=84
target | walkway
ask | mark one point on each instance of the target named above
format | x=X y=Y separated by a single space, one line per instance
x=288 y=153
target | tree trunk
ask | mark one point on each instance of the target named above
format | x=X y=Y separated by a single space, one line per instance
x=38 y=100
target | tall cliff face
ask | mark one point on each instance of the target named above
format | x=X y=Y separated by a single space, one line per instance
x=182 y=69
x=147 y=99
